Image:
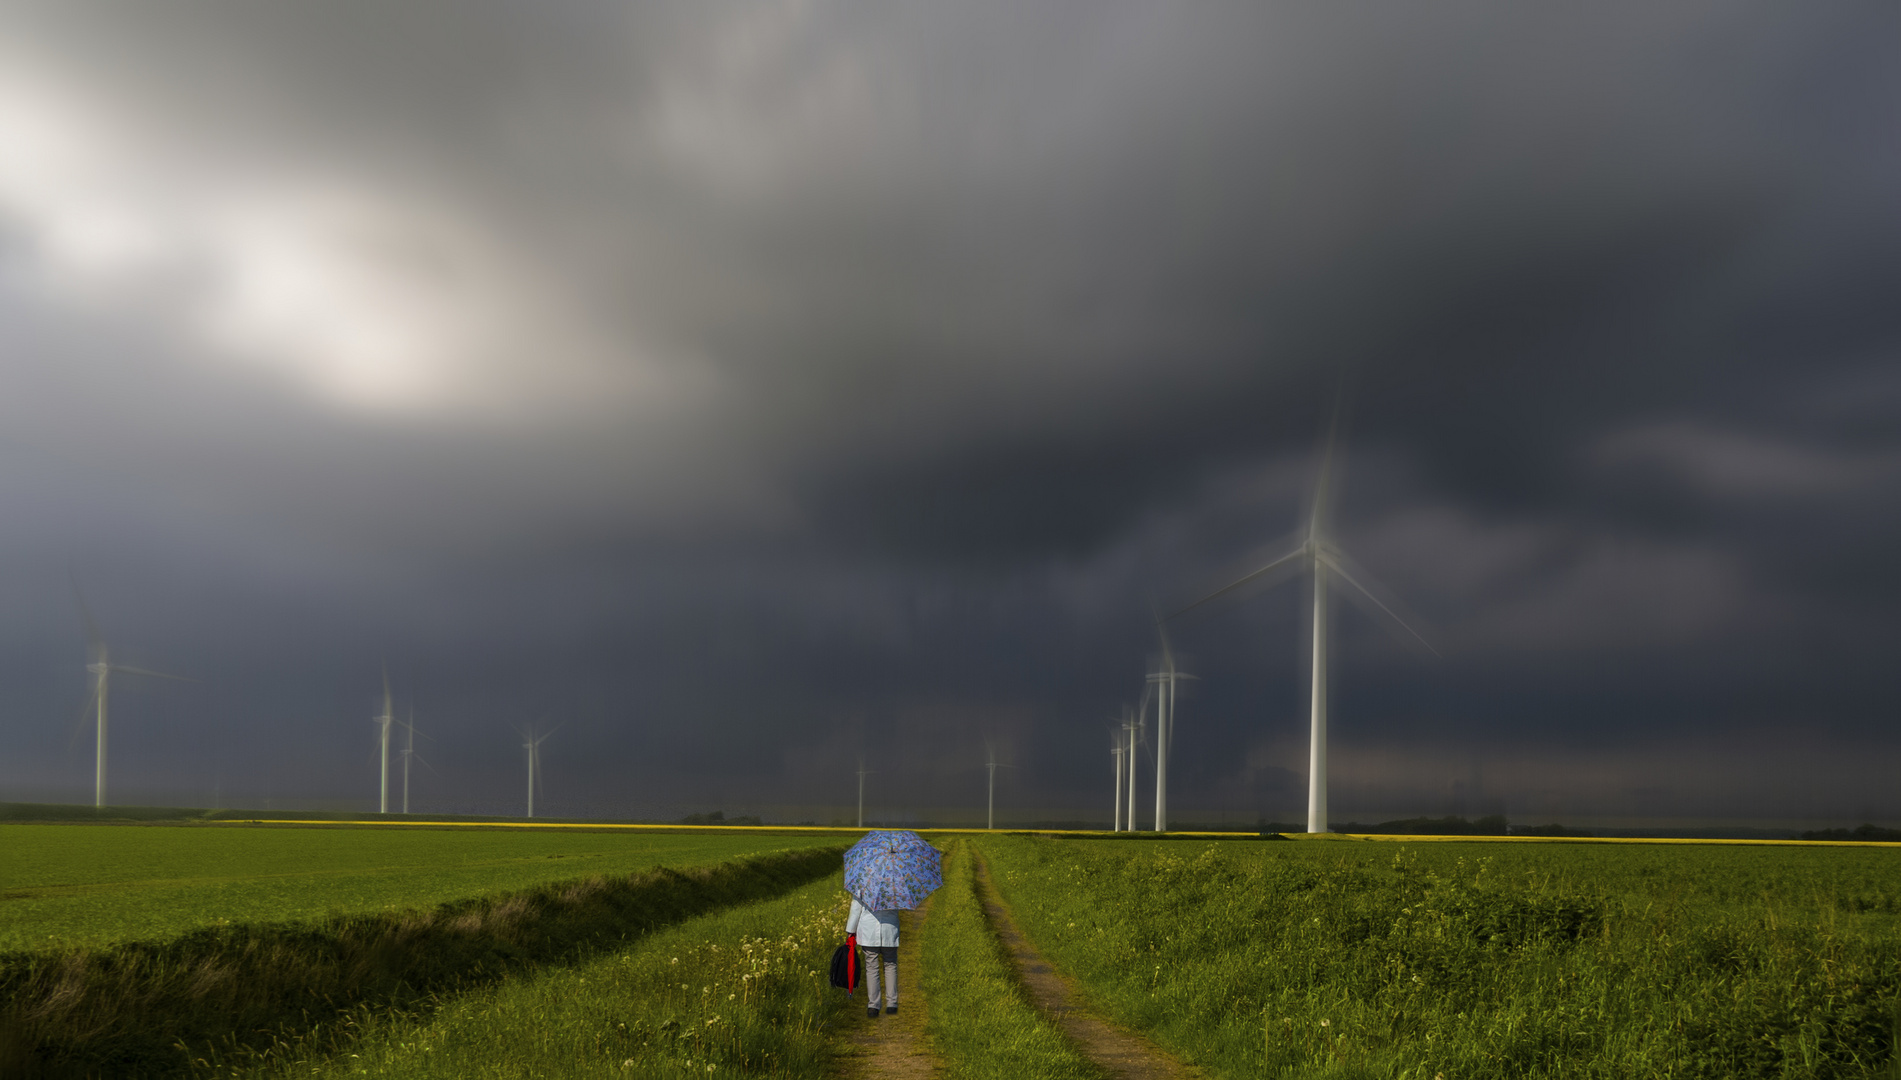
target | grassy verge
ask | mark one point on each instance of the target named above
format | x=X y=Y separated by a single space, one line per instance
x=739 y=993
x=1334 y=960
x=72 y=885
x=149 y=1009
x=981 y=1023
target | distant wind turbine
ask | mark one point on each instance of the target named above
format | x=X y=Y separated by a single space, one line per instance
x=1164 y=682
x=1131 y=726
x=102 y=669
x=1324 y=559
x=991 y=765
x=1115 y=747
x=409 y=755
x=862 y=773
x=532 y=743
x=383 y=723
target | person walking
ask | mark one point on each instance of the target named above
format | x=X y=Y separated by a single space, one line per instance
x=878 y=943
x=889 y=871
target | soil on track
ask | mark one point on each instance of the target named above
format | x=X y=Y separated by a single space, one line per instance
x=1121 y=1054
x=895 y=1046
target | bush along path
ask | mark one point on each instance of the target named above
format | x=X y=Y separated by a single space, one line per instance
x=1116 y=1053
x=735 y=995
x=152 y=1009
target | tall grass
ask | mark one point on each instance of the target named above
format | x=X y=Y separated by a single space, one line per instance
x=981 y=1023
x=149 y=1009
x=1333 y=960
x=738 y=993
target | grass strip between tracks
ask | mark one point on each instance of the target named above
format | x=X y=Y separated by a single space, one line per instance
x=981 y=1022
x=152 y=1009
x=738 y=993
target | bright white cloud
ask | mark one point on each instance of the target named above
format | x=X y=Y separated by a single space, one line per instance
x=372 y=298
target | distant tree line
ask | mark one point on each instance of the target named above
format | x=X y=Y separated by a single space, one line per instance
x=1863 y=832
x=718 y=817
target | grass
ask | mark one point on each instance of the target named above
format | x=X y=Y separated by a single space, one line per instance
x=1411 y=961
x=66 y=885
x=148 y=1008
x=981 y=1023
x=739 y=993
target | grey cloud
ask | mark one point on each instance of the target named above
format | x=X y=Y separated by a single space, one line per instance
x=734 y=375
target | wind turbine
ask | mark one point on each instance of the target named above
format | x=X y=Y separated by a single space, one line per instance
x=1131 y=724
x=384 y=723
x=532 y=744
x=1164 y=682
x=992 y=766
x=409 y=754
x=862 y=773
x=1115 y=747
x=1324 y=559
x=102 y=668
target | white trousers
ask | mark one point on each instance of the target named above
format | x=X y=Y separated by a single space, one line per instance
x=877 y=956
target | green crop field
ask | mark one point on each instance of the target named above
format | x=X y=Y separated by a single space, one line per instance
x=287 y=951
x=64 y=885
x=1411 y=961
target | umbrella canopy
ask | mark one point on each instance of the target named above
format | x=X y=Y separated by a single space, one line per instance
x=892 y=869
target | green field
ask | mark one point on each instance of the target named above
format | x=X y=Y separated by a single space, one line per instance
x=65 y=885
x=1357 y=959
x=569 y=952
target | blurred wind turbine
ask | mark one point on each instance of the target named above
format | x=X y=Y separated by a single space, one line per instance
x=383 y=723
x=532 y=743
x=862 y=773
x=1324 y=559
x=1115 y=747
x=102 y=668
x=991 y=765
x=1131 y=725
x=1164 y=682
x=409 y=755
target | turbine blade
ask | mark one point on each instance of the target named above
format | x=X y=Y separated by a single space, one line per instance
x=1317 y=516
x=1277 y=564
x=79 y=718
x=119 y=669
x=1332 y=557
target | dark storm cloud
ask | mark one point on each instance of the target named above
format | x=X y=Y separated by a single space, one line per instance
x=736 y=380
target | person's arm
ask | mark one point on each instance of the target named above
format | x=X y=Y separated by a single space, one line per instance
x=851 y=920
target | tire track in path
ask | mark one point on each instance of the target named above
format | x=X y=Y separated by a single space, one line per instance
x=895 y=1046
x=1121 y=1054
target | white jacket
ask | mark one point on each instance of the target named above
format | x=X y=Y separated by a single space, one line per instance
x=872 y=927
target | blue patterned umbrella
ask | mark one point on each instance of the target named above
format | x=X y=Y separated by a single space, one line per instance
x=892 y=869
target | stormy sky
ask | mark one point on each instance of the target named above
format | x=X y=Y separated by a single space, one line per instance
x=743 y=388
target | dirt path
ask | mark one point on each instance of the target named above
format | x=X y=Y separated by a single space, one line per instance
x=1120 y=1053
x=894 y=1046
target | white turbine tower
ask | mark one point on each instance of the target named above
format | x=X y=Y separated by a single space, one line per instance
x=1115 y=748
x=531 y=742
x=102 y=669
x=1164 y=682
x=1324 y=559
x=409 y=755
x=991 y=765
x=1131 y=726
x=383 y=723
